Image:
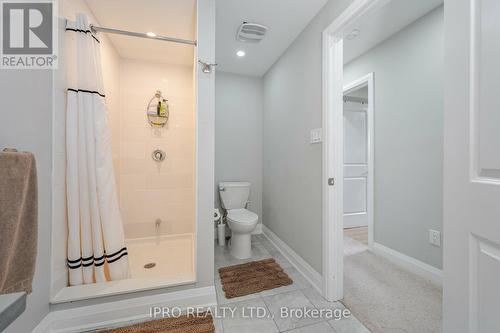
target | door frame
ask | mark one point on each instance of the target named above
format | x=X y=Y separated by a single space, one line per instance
x=333 y=151
x=368 y=81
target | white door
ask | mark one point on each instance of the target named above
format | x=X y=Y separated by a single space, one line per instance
x=355 y=165
x=471 y=301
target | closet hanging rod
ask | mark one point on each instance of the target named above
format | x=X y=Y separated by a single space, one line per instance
x=355 y=99
x=142 y=35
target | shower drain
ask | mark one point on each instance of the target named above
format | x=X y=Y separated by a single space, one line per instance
x=149 y=265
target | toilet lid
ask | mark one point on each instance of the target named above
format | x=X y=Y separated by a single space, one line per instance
x=242 y=216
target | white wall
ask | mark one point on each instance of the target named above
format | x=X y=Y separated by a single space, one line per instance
x=238 y=133
x=408 y=179
x=292 y=166
x=148 y=189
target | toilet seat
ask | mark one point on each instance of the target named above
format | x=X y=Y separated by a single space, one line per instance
x=243 y=216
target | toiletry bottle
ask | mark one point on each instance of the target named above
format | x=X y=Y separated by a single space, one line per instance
x=163 y=109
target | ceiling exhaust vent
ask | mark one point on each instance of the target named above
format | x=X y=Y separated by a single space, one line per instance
x=251 y=32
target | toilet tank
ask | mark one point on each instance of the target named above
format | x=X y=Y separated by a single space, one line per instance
x=234 y=195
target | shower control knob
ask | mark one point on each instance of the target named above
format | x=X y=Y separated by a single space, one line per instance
x=158 y=155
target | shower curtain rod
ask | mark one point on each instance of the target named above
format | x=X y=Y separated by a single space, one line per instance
x=142 y=35
x=355 y=99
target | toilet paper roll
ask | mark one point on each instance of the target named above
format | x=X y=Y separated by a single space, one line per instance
x=216 y=215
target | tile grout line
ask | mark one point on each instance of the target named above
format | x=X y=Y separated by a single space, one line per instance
x=269 y=311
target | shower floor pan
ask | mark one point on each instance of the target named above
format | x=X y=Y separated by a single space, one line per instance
x=172 y=256
x=173 y=259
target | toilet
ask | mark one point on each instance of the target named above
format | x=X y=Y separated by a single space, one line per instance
x=234 y=198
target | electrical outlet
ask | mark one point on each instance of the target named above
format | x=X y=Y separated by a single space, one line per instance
x=435 y=237
x=316 y=135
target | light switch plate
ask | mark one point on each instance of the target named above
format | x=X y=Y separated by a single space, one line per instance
x=316 y=135
x=435 y=237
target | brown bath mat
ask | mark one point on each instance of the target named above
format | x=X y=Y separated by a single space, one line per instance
x=183 y=324
x=252 y=277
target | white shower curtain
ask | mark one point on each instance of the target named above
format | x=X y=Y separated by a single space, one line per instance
x=96 y=243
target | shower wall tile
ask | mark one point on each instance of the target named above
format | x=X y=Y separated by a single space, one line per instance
x=142 y=230
x=150 y=190
x=170 y=181
x=133 y=149
x=133 y=181
x=158 y=200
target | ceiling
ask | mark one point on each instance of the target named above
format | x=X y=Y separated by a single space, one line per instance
x=285 y=18
x=383 y=22
x=175 y=18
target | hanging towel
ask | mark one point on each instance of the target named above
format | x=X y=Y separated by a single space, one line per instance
x=18 y=220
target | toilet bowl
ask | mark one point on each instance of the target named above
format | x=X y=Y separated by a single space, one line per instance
x=234 y=198
x=241 y=222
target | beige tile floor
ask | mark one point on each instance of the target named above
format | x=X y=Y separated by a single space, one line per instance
x=301 y=294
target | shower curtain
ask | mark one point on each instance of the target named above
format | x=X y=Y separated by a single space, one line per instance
x=96 y=242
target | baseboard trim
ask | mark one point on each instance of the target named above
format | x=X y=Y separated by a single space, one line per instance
x=123 y=312
x=413 y=265
x=258 y=229
x=297 y=261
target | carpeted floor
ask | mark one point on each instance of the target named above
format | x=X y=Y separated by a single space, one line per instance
x=352 y=246
x=387 y=299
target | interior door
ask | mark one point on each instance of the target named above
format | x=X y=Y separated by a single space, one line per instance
x=471 y=300
x=355 y=165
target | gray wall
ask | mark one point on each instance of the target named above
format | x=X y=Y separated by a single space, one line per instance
x=238 y=133
x=292 y=166
x=26 y=124
x=408 y=180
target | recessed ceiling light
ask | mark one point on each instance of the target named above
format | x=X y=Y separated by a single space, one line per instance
x=151 y=34
x=240 y=53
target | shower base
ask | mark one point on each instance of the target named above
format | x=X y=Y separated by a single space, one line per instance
x=173 y=256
